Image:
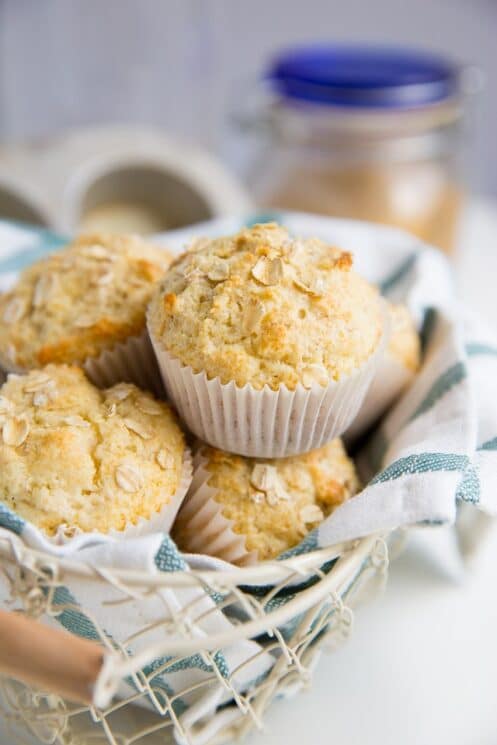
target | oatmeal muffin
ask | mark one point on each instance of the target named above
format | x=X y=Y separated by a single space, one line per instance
x=270 y=504
x=396 y=371
x=266 y=344
x=85 y=459
x=80 y=301
x=264 y=309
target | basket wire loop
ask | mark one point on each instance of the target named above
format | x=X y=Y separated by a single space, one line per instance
x=284 y=612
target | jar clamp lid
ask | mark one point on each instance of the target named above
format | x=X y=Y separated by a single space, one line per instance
x=364 y=76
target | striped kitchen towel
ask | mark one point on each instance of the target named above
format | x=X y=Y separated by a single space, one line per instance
x=435 y=449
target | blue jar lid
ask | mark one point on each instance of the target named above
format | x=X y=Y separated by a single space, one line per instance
x=363 y=76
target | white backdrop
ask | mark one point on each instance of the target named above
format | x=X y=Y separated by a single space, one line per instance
x=178 y=63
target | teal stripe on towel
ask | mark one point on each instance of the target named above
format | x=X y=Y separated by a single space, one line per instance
x=422 y=463
x=469 y=487
x=489 y=445
x=443 y=385
x=476 y=350
x=10 y=520
x=398 y=275
x=31 y=253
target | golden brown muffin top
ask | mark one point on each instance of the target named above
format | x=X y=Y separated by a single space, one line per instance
x=79 y=301
x=71 y=454
x=262 y=308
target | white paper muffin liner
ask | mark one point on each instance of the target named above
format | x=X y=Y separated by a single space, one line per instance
x=265 y=423
x=160 y=522
x=204 y=528
x=130 y=361
x=391 y=378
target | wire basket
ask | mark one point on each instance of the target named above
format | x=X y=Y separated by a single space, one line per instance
x=280 y=613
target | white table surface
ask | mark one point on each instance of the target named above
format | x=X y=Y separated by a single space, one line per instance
x=421 y=665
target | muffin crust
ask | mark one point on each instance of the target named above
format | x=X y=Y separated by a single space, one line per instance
x=264 y=309
x=71 y=454
x=78 y=301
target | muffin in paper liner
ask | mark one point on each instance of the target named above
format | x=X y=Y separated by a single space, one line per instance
x=265 y=423
x=267 y=343
x=244 y=511
x=85 y=305
x=209 y=532
x=112 y=462
x=131 y=361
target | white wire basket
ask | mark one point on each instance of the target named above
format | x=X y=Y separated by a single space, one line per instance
x=277 y=617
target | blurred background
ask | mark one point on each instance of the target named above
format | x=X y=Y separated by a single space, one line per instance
x=192 y=69
x=179 y=63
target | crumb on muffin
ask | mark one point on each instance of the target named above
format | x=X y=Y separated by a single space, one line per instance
x=80 y=300
x=74 y=455
x=275 y=503
x=265 y=309
x=404 y=343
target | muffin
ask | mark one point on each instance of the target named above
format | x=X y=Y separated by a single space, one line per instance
x=245 y=510
x=396 y=370
x=76 y=458
x=260 y=329
x=81 y=305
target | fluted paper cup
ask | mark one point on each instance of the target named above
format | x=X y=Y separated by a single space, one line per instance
x=130 y=361
x=264 y=423
x=201 y=527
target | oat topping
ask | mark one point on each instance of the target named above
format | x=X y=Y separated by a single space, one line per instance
x=312 y=285
x=76 y=421
x=163 y=458
x=137 y=428
x=119 y=392
x=37 y=382
x=219 y=271
x=311 y=513
x=148 y=406
x=252 y=314
x=263 y=477
x=14 y=311
x=128 y=478
x=97 y=252
x=43 y=289
x=15 y=431
x=268 y=271
x=5 y=405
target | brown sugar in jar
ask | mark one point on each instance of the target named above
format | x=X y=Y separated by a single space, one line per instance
x=364 y=133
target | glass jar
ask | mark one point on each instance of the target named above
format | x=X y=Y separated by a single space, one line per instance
x=365 y=133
